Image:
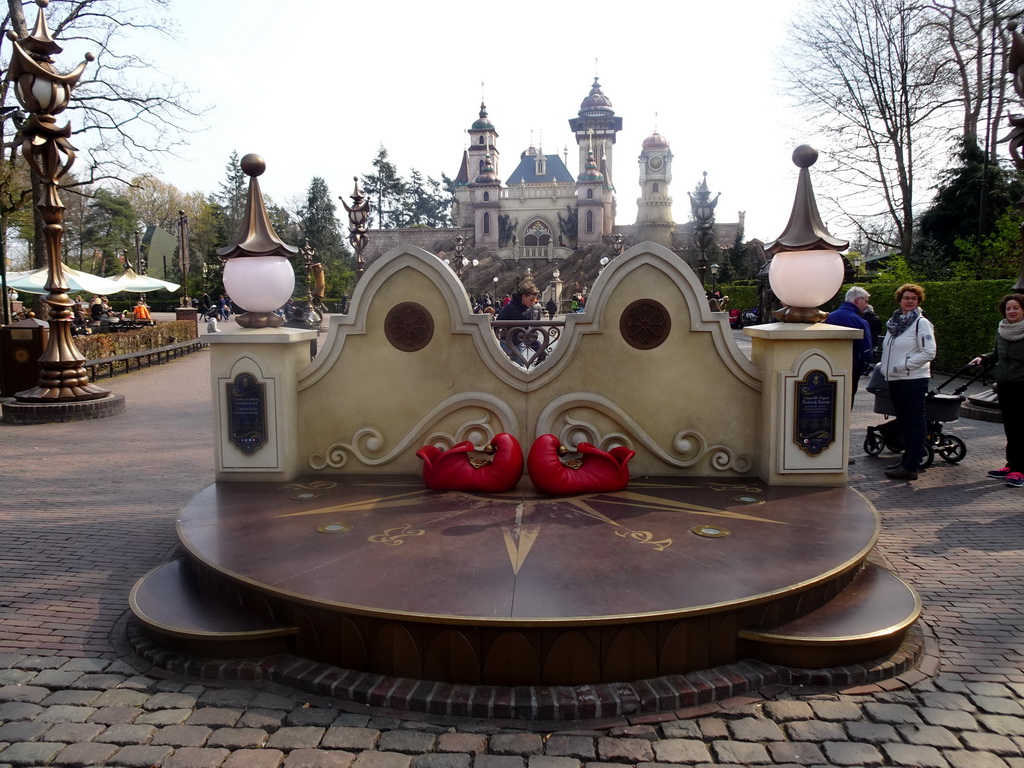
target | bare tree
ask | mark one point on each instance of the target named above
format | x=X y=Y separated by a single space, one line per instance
x=870 y=80
x=974 y=34
x=122 y=128
x=156 y=202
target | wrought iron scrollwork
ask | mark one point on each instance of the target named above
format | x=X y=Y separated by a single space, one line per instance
x=528 y=343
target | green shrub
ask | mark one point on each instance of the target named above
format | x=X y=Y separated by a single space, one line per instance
x=964 y=314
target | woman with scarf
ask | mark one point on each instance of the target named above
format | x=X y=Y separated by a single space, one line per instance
x=1008 y=356
x=907 y=353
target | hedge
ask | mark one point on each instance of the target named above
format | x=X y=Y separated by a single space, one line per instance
x=99 y=345
x=965 y=314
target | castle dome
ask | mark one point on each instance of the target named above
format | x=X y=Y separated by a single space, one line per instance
x=483 y=123
x=596 y=102
x=655 y=141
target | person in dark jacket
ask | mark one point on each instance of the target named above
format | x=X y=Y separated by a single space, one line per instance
x=1008 y=356
x=849 y=316
x=522 y=306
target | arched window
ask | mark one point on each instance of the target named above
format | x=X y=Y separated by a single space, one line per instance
x=655 y=187
x=480 y=140
x=487 y=196
x=590 y=221
x=590 y=194
x=487 y=223
x=537 y=233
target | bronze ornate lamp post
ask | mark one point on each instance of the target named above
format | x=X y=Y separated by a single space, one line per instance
x=806 y=269
x=704 y=223
x=358 y=215
x=1015 y=67
x=44 y=94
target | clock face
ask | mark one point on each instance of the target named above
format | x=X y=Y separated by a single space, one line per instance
x=655 y=163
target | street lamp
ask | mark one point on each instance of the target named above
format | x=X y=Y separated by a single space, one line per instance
x=714 y=276
x=358 y=215
x=806 y=269
x=44 y=94
x=257 y=273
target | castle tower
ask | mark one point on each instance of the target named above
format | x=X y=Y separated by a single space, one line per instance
x=590 y=199
x=654 y=206
x=595 y=127
x=482 y=151
x=485 y=193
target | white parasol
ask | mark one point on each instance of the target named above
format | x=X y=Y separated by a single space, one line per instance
x=34 y=281
x=133 y=283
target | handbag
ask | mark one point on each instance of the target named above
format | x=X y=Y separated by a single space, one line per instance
x=877 y=382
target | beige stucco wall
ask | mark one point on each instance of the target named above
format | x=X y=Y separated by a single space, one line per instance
x=689 y=406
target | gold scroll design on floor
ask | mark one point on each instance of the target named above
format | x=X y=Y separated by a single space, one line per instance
x=520 y=538
x=367 y=445
x=689 y=446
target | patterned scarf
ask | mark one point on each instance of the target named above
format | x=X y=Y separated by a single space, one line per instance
x=1011 y=331
x=899 y=322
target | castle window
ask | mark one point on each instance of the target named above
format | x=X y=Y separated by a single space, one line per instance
x=487 y=223
x=655 y=187
x=590 y=221
x=481 y=140
x=590 y=194
x=538 y=233
x=487 y=196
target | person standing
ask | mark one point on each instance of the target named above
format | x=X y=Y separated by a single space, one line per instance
x=1008 y=356
x=907 y=352
x=521 y=307
x=849 y=315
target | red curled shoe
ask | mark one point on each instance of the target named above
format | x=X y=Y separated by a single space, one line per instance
x=457 y=470
x=597 y=472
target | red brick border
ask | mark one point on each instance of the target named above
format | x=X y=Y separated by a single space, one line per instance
x=543 y=703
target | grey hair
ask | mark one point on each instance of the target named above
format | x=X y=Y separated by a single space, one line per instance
x=857 y=293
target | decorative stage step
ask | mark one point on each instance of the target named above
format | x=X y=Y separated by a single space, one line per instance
x=170 y=601
x=870 y=618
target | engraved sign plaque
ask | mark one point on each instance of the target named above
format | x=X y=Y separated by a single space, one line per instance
x=247 y=413
x=815 y=427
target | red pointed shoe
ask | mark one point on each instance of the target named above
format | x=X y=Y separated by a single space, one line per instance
x=598 y=471
x=457 y=470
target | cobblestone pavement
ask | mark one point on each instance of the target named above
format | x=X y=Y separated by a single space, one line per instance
x=89 y=507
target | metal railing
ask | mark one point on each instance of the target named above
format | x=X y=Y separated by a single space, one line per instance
x=528 y=342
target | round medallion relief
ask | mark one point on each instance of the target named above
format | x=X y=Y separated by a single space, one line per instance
x=645 y=324
x=409 y=327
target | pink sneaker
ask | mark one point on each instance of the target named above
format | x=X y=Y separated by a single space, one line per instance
x=999 y=474
x=1015 y=480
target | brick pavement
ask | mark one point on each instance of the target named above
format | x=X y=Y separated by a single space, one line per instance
x=71 y=693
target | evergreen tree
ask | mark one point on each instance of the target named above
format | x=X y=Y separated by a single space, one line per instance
x=387 y=188
x=233 y=191
x=110 y=226
x=972 y=195
x=319 y=225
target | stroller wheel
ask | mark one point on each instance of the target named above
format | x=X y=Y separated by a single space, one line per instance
x=928 y=458
x=873 y=443
x=952 y=449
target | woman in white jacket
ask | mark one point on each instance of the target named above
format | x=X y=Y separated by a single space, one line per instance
x=907 y=352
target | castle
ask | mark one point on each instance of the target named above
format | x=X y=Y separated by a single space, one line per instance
x=542 y=211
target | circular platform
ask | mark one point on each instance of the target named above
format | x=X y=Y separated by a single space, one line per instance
x=379 y=574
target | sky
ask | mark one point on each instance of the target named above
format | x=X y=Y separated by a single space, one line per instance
x=316 y=88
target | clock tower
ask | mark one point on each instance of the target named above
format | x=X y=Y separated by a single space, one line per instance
x=654 y=207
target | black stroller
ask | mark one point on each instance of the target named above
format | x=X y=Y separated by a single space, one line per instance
x=939 y=409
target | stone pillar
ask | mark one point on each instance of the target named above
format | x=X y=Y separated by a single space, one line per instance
x=254 y=373
x=804 y=427
x=188 y=313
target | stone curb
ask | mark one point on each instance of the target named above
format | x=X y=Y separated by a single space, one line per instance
x=546 y=703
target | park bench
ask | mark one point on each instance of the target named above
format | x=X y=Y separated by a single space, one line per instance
x=159 y=354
